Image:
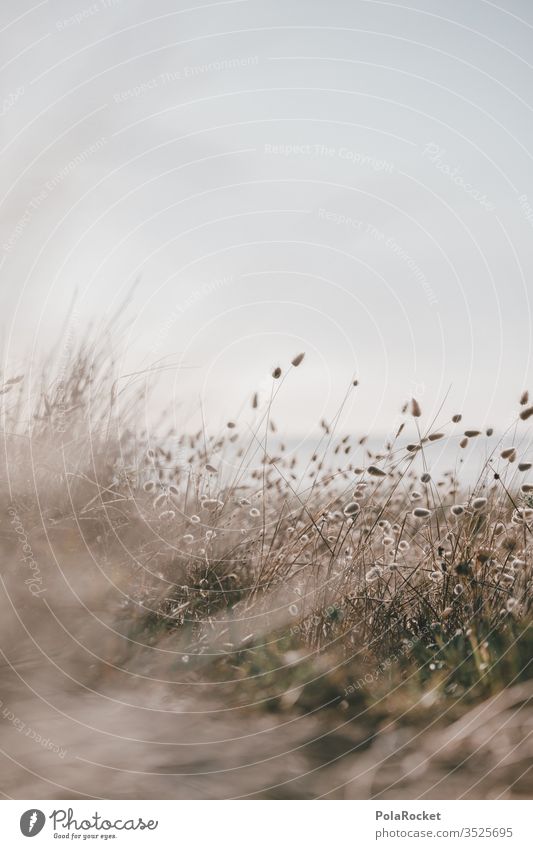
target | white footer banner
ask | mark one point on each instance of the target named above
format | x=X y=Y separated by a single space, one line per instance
x=270 y=824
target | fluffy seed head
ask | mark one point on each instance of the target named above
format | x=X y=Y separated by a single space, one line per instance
x=351 y=509
x=166 y=515
x=421 y=513
x=212 y=503
x=297 y=360
x=415 y=408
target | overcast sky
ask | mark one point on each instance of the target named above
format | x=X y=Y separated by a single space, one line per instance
x=349 y=178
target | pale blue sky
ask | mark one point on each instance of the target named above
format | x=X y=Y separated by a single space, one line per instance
x=351 y=179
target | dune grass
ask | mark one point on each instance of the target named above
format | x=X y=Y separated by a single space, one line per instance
x=358 y=560
x=348 y=581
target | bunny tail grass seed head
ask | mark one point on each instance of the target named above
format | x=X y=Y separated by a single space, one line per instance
x=276 y=374
x=524 y=398
x=421 y=513
x=166 y=515
x=415 y=408
x=375 y=472
x=457 y=418
x=297 y=360
x=526 y=414
x=351 y=509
